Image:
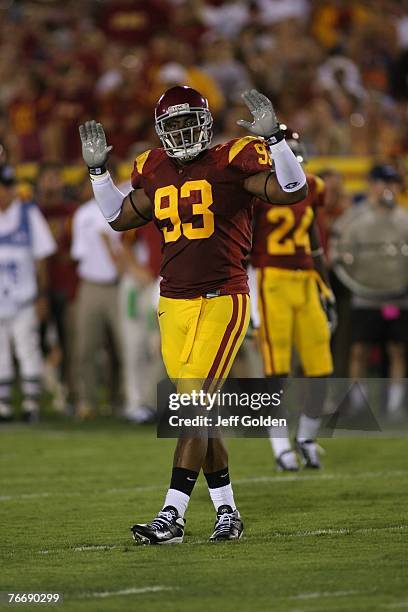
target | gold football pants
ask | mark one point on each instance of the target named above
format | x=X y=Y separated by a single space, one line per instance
x=200 y=337
x=292 y=315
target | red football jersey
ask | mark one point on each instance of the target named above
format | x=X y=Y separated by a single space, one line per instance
x=204 y=214
x=281 y=233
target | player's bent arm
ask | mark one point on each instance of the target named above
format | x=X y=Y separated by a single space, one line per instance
x=265 y=185
x=136 y=210
x=287 y=185
x=121 y=212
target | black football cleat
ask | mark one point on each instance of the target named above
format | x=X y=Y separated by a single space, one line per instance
x=228 y=525
x=166 y=528
x=287 y=462
x=309 y=455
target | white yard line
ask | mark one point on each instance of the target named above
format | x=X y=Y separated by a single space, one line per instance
x=130 y=591
x=242 y=481
x=5 y=498
x=341 y=531
x=319 y=594
x=397 y=605
x=86 y=548
x=95 y=547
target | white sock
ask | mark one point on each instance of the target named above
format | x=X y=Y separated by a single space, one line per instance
x=307 y=428
x=222 y=496
x=178 y=500
x=396 y=392
x=281 y=443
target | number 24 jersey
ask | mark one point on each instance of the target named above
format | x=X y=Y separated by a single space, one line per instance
x=281 y=233
x=204 y=214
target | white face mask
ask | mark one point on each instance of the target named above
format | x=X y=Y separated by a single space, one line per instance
x=187 y=142
x=188 y=153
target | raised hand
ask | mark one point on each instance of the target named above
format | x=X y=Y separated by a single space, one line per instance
x=94 y=147
x=265 y=123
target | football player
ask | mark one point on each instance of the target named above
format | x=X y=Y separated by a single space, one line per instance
x=296 y=307
x=201 y=200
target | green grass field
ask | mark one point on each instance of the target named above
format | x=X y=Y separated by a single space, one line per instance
x=335 y=540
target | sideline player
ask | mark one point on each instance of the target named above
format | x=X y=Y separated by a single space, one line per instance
x=201 y=200
x=25 y=243
x=294 y=303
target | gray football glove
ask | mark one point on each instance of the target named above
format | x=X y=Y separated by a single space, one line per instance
x=94 y=148
x=265 y=123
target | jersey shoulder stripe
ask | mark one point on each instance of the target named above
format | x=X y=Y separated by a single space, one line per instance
x=144 y=163
x=141 y=160
x=238 y=144
x=147 y=161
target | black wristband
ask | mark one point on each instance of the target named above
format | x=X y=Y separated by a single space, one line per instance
x=97 y=171
x=275 y=138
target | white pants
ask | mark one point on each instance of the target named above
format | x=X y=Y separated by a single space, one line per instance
x=143 y=367
x=21 y=335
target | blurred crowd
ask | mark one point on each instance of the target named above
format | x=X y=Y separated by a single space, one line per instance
x=336 y=72
x=335 y=69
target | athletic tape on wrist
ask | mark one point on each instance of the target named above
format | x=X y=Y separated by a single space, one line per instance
x=97 y=171
x=275 y=138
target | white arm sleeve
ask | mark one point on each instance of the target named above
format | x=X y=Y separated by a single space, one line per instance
x=108 y=196
x=289 y=172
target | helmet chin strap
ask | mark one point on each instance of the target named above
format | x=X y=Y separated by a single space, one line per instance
x=190 y=152
x=186 y=153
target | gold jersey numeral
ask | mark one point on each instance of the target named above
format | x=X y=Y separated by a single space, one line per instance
x=278 y=241
x=170 y=211
x=264 y=157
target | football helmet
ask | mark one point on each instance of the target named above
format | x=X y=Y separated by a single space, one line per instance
x=183 y=140
x=295 y=144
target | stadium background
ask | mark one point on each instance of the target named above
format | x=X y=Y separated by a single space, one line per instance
x=342 y=86
x=336 y=72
